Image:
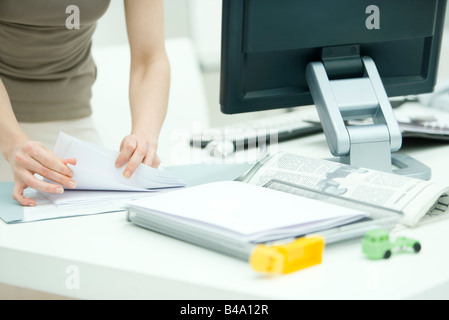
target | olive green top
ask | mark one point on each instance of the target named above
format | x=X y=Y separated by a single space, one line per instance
x=45 y=60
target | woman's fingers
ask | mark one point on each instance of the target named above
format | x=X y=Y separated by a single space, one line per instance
x=36 y=159
x=71 y=161
x=127 y=147
x=29 y=180
x=33 y=158
x=133 y=152
x=47 y=158
x=136 y=159
x=50 y=174
x=19 y=197
x=41 y=185
x=152 y=159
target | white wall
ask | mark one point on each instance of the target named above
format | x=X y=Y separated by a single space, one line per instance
x=111 y=28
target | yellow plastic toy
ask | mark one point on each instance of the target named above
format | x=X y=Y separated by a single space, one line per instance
x=285 y=258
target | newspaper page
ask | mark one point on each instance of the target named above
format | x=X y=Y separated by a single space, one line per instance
x=350 y=186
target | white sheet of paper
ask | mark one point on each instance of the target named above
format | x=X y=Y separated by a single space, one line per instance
x=76 y=197
x=95 y=169
x=45 y=209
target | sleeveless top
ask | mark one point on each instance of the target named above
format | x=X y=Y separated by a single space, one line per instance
x=45 y=60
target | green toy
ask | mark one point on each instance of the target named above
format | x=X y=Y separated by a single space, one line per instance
x=376 y=244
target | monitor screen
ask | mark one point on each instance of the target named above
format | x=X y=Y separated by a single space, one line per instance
x=267 y=45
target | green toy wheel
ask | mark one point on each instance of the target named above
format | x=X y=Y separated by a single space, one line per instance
x=387 y=254
x=417 y=247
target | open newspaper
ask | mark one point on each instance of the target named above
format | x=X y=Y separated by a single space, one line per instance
x=414 y=200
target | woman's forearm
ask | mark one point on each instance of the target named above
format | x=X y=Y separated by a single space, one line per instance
x=11 y=134
x=149 y=84
x=149 y=90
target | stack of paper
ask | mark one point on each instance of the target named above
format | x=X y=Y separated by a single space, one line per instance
x=235 y=211
x=90 y=197
x=95 y=169
x=98 y=180
x=12 y=212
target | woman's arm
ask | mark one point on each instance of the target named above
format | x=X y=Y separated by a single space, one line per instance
x=28 y=157
x=149 y=83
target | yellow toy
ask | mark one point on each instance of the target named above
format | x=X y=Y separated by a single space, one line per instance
x=299 y=254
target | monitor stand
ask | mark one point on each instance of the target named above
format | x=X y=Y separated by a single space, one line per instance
x=353 y=98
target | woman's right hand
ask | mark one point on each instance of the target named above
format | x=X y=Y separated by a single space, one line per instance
x=30 y=158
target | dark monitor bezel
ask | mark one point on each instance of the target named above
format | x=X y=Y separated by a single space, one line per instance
x=235 y=99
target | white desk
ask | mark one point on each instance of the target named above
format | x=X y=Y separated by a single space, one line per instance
x=113 y=259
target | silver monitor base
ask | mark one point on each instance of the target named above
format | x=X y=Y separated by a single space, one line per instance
x=373 y=145
x=410 y=167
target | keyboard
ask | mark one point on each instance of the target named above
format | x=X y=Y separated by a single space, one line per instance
x=284 y=126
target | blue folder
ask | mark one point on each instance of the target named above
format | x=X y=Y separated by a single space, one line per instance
x=10 y=210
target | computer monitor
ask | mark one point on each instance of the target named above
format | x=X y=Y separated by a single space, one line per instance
x=347 y=57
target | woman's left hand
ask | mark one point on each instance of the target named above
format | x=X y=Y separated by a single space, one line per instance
x=135 y=150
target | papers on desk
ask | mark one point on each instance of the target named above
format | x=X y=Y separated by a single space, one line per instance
x=236 y=212
x=99 y=181
x=82 y=197
x=95 y=169
x=417 y=121
x=101 y=187
x=12 y=212
x=46 y=209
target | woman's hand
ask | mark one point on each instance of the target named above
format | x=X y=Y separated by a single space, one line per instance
x=28 y=158
x=31 y=158
x=135 y=150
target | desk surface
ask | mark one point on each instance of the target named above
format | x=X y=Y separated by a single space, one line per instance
x=106 y=257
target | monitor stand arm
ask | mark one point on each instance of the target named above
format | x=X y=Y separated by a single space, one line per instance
x=367 y=145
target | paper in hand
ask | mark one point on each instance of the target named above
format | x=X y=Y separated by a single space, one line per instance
x=95 y=169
